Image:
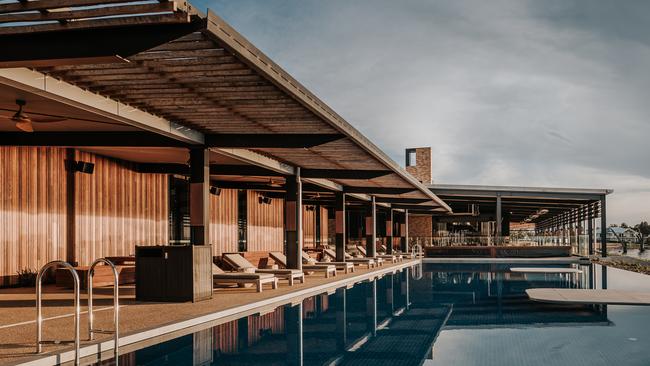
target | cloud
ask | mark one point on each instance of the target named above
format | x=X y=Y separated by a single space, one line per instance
x=505 y=92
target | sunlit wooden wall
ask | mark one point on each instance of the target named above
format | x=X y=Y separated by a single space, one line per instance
x=117 y=208
x=223 y=222
x=32 y=209
x=265 y=224
x=324 y=223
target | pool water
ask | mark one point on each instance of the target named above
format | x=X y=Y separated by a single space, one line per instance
x=451 y=314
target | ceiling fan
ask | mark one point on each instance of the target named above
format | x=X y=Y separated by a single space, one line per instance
x=25 y=122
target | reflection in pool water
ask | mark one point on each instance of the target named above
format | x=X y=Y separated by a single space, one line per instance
x=453 y=314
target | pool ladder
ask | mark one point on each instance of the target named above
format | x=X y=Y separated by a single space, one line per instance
x=39 y=307
x=77 y=306
x=417 y=269
x=116 y=305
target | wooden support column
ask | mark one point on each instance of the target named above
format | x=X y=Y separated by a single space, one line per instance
x=293 y=221
x=340 y=226
x=389 y=232
x=603 y=227
x=70 y=222
x=199 y=196
x=371 y=228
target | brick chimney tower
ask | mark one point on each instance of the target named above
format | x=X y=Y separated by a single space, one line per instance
x=418 y=163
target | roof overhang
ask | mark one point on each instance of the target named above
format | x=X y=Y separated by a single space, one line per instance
x=200 y=83
x=539 y=205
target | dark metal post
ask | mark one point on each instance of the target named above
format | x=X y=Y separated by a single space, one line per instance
x=498 y=219
x=390 y=302
x=199 y=196
x=293 y=221
x=371 y=228
x=389 y=232
x=293 y=326
x=371 y=306
x=603 y=227
x=405 y=244
x=340 y=226
x=590 y=229
x=340 y=305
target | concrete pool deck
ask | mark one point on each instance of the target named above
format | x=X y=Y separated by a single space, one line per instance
x=140 y=321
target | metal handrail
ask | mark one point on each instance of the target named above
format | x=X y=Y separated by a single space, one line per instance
x=116 y=304
x=39 y=310
x=417 y=251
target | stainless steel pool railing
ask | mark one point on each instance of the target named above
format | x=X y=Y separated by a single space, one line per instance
x=116 y=304
x=417 y=272
x=417 y=251
x=39 y=307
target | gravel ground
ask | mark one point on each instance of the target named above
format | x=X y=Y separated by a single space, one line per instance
x=627 y=263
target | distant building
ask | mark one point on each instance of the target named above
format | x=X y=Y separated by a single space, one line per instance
x=616 y=234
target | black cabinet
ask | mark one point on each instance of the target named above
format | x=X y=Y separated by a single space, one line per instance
x=173 y=273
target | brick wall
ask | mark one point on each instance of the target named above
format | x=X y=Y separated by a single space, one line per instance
x=421 y=170
x=420 y=226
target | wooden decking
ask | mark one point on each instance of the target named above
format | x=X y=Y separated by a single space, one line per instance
x=143 y=320
x=582 y=296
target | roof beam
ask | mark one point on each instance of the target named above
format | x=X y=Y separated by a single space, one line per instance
x=402 y=200
x=251 y=157
x=78 y=46
x=343 y=174
x=218 y=169
x=378 y=190
x=269 y=140
x=107 y=138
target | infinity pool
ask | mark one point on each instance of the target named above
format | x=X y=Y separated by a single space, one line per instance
x=451 y=314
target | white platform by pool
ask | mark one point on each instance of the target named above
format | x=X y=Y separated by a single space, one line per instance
x=583 y=296
x=544 y=270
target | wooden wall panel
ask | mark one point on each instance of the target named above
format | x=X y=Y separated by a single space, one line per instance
x=268 y=323
x=32 y=209
x=265 y=224
x=223 y=222
x=324 y=226
x=225 y=338
x=117 y=208
x=308 y=227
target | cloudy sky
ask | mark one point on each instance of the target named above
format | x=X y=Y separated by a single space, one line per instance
x=542 y=93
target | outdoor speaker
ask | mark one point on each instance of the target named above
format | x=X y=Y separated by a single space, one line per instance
x=85 y=167
x=215 y=191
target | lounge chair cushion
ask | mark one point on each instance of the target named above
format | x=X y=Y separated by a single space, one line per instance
x=218 y=273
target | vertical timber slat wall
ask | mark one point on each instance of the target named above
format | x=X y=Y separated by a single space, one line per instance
x=324 y=232
x=265 y=224
x=308 y=227
x=223 y=222
x=117 y=209
x=32 y=209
